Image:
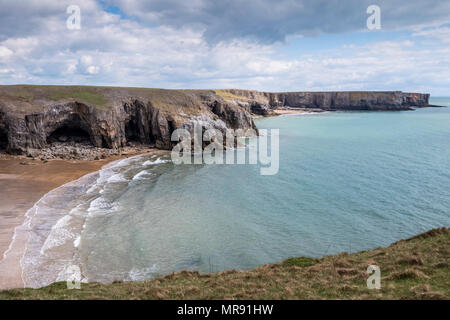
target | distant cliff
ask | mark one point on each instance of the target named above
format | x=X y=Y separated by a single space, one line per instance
x=264 y=102
x=34 y=117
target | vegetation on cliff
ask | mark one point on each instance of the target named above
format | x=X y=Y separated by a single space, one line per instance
x=108 y=117
x=416 y=268
x=114 y=117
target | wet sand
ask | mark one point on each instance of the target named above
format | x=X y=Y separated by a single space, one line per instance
x=23 y=182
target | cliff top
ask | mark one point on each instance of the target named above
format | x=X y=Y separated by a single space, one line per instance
x=416 y=268
x=38 y=95
x=25 y=99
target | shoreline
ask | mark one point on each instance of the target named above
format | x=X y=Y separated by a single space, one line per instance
x=291 y=111
x=282 y=111
x=23 y=183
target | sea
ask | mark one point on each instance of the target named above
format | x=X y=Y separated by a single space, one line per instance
x=347 y=181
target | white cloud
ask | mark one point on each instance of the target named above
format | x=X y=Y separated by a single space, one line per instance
x=110 y=50
x=93 y=69
x=441 y=33
x=270 y=21
x=5 y=53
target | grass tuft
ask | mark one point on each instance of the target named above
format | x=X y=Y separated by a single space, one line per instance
x=300 y=262
x=416 y=268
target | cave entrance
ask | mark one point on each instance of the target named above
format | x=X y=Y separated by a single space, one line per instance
x=3 y=139
x=171 y=125
x=132 y=132
x=68 y=134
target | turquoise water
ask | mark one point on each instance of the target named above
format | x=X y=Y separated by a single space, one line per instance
x=347 y=181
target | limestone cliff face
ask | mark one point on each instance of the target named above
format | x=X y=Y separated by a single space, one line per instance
x=263 y=102
x=107 y=117
x=146 y=116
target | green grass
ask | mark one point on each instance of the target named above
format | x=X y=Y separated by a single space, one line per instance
x=416 y=268
x=25 y=99
x=228 y=96
x=300 y=262
x=82 y=95
x=33 y=94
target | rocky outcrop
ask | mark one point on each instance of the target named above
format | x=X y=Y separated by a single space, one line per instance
x=350 y=100
x=35 y=117
x=142 y=116
x=236 y=115
x=263 y=102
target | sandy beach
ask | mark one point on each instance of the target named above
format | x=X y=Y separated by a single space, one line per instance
x=281 y=111
x=23 y=182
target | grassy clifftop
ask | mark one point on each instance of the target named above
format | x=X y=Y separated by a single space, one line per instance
x=416 y=268
x=34 y=98
x=27 y=99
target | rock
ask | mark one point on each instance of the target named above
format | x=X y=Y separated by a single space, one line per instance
x=346 y=100
x=261 y=109
x=63 y=138
x=76 y=129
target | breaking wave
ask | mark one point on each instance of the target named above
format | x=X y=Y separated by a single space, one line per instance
x=55 y=224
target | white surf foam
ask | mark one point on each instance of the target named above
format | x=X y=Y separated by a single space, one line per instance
x=157 y=161
x=59 y=234
x=142 y=175
x=51 y=223
x=118 y=177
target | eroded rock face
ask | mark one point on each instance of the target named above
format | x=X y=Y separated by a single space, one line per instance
x=128 y=121
x=30 y=118
x=233 y=115
x=346 y=100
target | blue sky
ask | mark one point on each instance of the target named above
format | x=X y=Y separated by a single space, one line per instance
x=267 y=45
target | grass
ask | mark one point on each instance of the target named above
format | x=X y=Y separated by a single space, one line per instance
x=79 y=94
x=25 y=99
x=300 y=262
x=228 y=96
x=416 y=268
x=30 y=93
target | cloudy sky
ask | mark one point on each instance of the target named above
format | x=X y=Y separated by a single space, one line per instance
x=268 y=45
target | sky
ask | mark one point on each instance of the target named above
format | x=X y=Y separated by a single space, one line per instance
x=285 y=45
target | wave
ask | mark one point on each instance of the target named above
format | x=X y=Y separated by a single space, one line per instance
x=53 y=226
x=157 y=161
x=142 y=175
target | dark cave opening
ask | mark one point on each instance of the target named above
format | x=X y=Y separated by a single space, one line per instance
x=105 y=143
x=132 y=132
x=3 y=139
x=68 y=134
x=171 y=125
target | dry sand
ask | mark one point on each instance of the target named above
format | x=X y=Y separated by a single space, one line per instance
x=23 y=182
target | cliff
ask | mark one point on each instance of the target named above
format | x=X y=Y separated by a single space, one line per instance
x=264 y=102
x=34 y=117
x=111 y=118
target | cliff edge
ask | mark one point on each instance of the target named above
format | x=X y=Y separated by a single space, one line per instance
x=416 y=268
x=37 y=117
x=34 y=119
x=263 y=103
